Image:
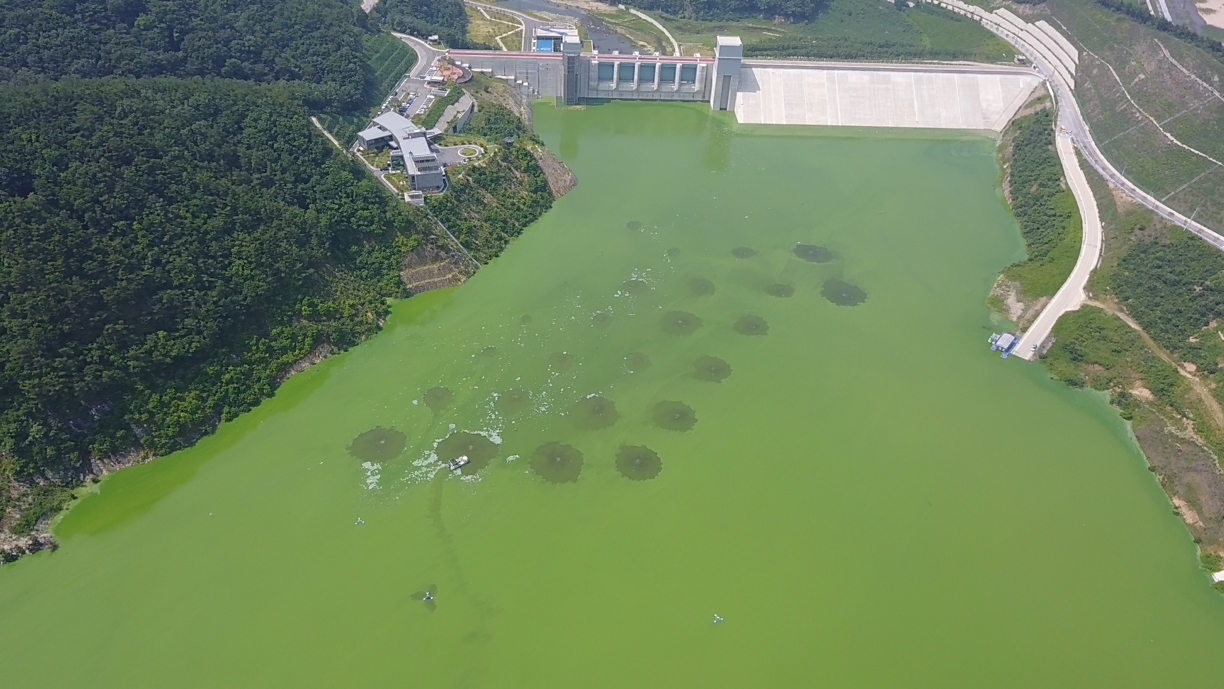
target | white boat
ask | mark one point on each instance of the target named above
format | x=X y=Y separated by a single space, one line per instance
x=457 y=463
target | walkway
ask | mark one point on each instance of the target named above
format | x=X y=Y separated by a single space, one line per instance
x=660 y=27
x=1071 y=295
x=528 y=22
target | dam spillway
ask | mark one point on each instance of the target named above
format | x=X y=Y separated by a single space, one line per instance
x=929 y=96
x=879 y=96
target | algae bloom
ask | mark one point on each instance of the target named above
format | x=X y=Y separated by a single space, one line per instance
x=634 y=225
x=594 y=412
x=557 y=462
x=701 y=287
x=674 y=416
x=779 y=290
x=601 y=319
x=512 y=402
x=438 y=398
x=638 y=462
x=635 y=286
x=378 y=444
x=560 y=361
x=636 y=362
x=743 y=252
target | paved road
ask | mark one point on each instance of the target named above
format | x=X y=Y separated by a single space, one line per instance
x=1072 y=294
x=1073 y=125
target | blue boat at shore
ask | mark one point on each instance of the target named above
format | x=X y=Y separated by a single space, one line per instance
x=1004 y=342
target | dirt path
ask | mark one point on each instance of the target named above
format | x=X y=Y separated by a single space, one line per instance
x=1200 y=388
x=315 y=121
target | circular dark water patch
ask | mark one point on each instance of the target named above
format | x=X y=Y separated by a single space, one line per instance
x=512 y=402
x=525 y=319
x=560 y=361
x=674 y=416
x=638 y=462
x=594 y=412
x=557 y=462
x=478 y=449
x=673 y=251
x=751 y=325
x=701 y=287
x=489 y=351
x=813 y=253
x=743 y=252
x=711 y=368
x=636 y=362
x=438 y=398
x=378 y=444
x=680 y=323
x=843 y=293
x=780 y=290
x=634 y=225
x=635 y=286
x=601 y=319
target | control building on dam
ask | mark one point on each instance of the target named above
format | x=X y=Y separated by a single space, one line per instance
x=954 y=96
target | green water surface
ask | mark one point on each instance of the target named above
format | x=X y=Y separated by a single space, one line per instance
x=870 y=497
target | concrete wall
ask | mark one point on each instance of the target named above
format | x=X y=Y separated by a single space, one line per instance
x=879 y=96
x=535 y=74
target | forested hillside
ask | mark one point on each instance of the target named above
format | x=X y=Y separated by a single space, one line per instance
x=313 y=41
x=169 y=247
x=446 y=18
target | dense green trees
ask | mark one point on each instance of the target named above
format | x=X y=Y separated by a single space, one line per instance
x=313 y=41
x=167 y=248
x=492 y=201
x=496 y=122
x=1175 y=288
x=446 y=18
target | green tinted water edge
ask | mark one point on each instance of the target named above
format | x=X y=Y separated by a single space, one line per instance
x=866 y=495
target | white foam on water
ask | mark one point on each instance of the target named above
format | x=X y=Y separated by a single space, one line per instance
x=511 y=458
x=373 y=473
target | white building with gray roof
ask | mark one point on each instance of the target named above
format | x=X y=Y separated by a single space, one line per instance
x=409 y=146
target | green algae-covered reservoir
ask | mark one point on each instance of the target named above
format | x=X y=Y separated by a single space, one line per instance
x=738 y=372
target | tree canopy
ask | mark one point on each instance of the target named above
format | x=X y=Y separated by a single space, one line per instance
x=313 y=41
x=167 y=248
x=790 y=10
x=446 y=18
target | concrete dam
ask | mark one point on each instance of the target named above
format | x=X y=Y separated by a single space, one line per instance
x=961 y=96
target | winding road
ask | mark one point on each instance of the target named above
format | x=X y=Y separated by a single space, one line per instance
x=1073 y=128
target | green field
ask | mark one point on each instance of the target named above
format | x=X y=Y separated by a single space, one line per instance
x=852 y=29
x=387 y=60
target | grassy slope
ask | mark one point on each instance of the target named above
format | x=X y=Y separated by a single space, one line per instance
x=868 y=25
x=387 y=59
x=1186 y=110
